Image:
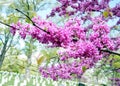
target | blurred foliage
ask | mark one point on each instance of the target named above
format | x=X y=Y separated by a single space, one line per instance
x=115 y=61
x=6 y=38
x=47 y=55
x=12 y=63
x=108 y=67
x=15 y=64
x=27 y=5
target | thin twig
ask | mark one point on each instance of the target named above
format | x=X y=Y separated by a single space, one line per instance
x=7 y=24
x=25 y=15
x=111 y=52
x=31 y=20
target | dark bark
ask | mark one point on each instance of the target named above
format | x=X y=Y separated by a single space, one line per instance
x=6 y=46
x=3 y=52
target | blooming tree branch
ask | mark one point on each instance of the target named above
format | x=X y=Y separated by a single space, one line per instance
x=30 y=20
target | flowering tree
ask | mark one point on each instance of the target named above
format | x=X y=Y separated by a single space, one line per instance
x=82 y=45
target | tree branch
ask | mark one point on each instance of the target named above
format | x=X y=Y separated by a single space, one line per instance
x=111 y=52
x=7 y=24
x=31 y=20
x=1 y=40
x=9 y=44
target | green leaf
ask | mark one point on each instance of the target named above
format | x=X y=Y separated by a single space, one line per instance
x=116 y=58
x=116 y=65
x=105 y=14
x=84 y=68
x=40 y=60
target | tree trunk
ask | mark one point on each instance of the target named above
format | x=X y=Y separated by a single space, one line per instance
x=3 y=52
x=5 y=48
x=1 y=60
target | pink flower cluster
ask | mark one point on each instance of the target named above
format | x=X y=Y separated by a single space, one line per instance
x=63 y=71
x=84 y=48
x=116 y=10
x=83 y=7
x=23 y=29
x=79 y=6
x=100 y=35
